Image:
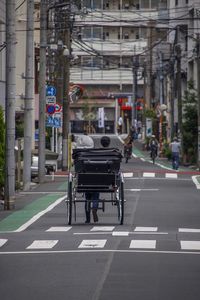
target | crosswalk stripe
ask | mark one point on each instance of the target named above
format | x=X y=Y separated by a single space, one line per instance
x=2 y=242
x=143 y=244
x=171 y=175
x=190 y=245
x=140 y=228
x=42 y=244
x=92 y=244
x=120 y=233
x=147 y=174
x=59 y=229
x=188 y=230
x=103 y=228
x=126 y=175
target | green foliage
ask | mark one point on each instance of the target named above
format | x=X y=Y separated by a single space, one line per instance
x=2 y=148
x=190 y=124
x=150 y=113
x=166 y=150
x=19 y=129
x=89 y=113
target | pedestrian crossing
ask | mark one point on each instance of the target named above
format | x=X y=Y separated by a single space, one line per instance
x=166 y=175
x=188 y=239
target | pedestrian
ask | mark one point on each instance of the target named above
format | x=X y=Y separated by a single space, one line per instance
x=133 y=133
x=175 y=148
x=120 y=124
x=94 y=196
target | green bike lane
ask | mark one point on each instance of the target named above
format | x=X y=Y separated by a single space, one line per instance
x=19 y=219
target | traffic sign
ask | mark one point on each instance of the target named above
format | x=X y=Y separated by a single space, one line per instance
x=50 y=109
x=50 y=91
x=50 y=99
x=58 y=107
x=52 y=121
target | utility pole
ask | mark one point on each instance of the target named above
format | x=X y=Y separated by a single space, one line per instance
x=10 y=105
x=198 y=94
x=172 y=96
x=42 y=89
x=65 y=128
x=134 y=87
x=179 y=92
x=28 y=101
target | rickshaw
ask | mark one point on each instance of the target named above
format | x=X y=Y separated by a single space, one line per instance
x=96 y=170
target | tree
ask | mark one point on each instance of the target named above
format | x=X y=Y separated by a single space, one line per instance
x=2 y=150
x=190 y=124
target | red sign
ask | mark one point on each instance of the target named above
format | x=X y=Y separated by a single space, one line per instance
x=50 y=109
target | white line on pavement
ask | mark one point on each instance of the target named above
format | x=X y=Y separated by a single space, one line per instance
x=147 y=174
x=143 y=244
x=2 y=242
x=191 y=230
x=196 y=182
x=42 y=244
x=101 y=251
x=38 y=215
x=190 y=245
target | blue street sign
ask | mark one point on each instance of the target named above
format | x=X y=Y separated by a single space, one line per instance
x=53 y=122
x=50 y=91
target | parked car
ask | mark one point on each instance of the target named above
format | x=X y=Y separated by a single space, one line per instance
x=50 y=163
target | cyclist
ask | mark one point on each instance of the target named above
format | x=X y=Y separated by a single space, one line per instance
x=128 y=148
x=153 y=145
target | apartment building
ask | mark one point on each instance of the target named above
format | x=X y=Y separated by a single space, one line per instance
x=2 y=52
x=106 y=40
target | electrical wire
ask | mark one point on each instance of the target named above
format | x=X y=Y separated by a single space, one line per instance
x=19 y=5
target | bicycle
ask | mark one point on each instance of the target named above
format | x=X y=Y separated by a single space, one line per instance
x=153 y=155
x=127 y=152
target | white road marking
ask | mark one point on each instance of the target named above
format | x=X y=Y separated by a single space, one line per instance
x=40 y=214
x=190 y=245
x=58 y=229
x=120 y=233
x=140 y=228
x=196 y=182
x=42 y=244
x=143 y=244
x=92 y=244
x=192 y=230
x=127 y=175
x=146 y=174
x=99 y=251
x=2 y=242
x=103 y=228
x=171 y=175
x=140 y=190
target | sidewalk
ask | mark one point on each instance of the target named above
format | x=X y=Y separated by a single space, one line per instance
x=140 y=152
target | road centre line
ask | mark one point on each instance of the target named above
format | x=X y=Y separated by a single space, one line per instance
x=131 y=251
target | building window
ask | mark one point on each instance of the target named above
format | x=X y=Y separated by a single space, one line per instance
x=154 y=4
x=176 y=2
x=126 y=36
x=186 y=1
x=145 y=4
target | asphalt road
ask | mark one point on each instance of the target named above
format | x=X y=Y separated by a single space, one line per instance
x=153 y=256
